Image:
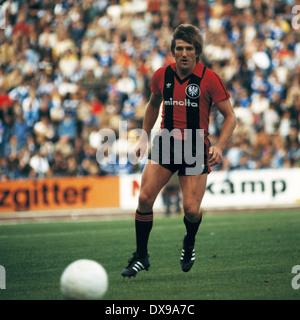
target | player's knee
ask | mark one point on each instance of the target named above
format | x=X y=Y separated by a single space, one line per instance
x=145 y=201
x=192 y=212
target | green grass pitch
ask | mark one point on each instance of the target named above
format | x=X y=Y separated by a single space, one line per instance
x=238 y=256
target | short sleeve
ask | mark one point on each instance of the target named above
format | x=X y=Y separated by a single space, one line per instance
x=157 y=81
x=217 y=88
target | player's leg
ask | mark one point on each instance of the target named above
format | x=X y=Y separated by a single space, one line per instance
x=153 y=179
x=193 y=189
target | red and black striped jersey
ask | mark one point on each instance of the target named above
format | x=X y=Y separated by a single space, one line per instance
x=187 y=102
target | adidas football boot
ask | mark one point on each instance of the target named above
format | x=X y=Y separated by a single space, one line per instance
x=187 y=258
x=135 y=265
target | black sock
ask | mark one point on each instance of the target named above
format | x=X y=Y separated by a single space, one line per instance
x=191 y=230
x=143 y=226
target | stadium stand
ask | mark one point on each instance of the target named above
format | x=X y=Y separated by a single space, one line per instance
x=70 y=68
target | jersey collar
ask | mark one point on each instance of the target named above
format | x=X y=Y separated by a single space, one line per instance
x=199 y=71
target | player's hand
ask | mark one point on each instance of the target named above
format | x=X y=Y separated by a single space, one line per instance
x=215 y=155
x=141 y=148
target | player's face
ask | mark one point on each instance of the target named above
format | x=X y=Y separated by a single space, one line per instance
x=185 y=56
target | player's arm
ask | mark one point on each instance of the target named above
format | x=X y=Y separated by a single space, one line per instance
x=152 y=111
x=229 y=125
x=151 y=114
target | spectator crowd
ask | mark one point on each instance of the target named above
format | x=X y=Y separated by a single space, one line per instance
x=70 y=68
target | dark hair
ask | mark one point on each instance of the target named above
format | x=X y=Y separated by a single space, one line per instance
x=189 y=34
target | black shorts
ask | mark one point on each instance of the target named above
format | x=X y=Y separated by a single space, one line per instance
x=180 y=155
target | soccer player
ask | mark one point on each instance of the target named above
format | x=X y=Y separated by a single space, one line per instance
x=188 y=90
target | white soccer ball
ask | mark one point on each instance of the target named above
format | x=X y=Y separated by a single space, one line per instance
x=84 y=280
